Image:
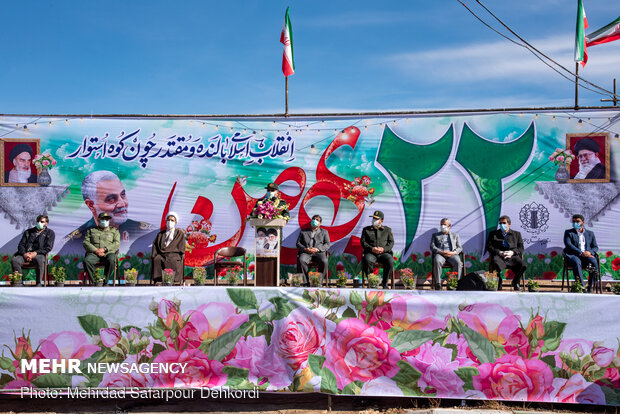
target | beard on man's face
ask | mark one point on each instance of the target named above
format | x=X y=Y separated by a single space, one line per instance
x=119 y=215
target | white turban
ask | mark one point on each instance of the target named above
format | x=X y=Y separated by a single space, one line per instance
x=173 y=214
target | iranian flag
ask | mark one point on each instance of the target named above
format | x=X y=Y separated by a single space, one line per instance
x=580 y=36
x=286 y=38
x=606 y=34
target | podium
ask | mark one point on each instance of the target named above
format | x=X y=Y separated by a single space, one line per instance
x=268 y=240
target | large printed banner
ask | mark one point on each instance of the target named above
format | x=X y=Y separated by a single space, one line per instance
x=473 y=345
x=469 y=168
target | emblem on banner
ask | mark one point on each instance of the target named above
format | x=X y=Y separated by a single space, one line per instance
x=534 y=218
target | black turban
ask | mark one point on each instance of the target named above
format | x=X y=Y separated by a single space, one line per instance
x=18 y=149
x=587 y=144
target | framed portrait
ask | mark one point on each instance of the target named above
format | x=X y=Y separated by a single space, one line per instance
x=267 y=240
x=16 y=166
x=591 y=164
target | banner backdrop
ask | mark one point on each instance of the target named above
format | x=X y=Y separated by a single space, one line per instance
x=479 y=345
x=469 y=168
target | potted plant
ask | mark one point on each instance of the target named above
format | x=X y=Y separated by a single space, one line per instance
x=615 y=288
x=314 y=278
x=452 y=281
x=576 y=287
x=296 y=280
x=99 y=278
x=16 y=279
x=234 y=275
x=168 y=277
x=491 y=280
x=131 y=277
x=373 y=280
x=343 y=277
x=532 y=286
x=408 y=278
x=58 y=275
x=199 y=274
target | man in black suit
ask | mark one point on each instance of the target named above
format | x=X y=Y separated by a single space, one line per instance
x=377 y=241
x=506 y=248
x=590 y=166
x=580 y=249
x=34 y=246
x=312 y=245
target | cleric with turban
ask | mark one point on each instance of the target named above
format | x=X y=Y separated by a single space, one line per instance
x=590 y=166
x=21 y=158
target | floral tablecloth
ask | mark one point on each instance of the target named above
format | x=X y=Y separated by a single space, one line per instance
x=543 y=347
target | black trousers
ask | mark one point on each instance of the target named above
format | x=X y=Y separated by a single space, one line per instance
x=386 y=259
x=515 y=263
x=303 y=259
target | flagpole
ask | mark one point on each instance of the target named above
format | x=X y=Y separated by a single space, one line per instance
x=576 y=85
x=286 y=96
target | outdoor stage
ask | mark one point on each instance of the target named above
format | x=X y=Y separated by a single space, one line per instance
x=546 y=347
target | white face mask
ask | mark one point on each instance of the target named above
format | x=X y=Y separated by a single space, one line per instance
x=444 y=228
x=376 y=222
x=272 y=194
x=170 y=224
x=104 y=223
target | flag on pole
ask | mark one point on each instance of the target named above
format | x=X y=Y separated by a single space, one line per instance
x=606 y=34
x=580 y=36
x=286 y=38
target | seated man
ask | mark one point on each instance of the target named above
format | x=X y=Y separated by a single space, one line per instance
x=377 y=241
x=446 y=247
x=506 y=247
x=580 y=249
x=313 y=244
x=101 y=243
x=168 y=250
x=34 y=246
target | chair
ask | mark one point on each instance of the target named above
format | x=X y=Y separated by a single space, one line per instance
x=33 y=265
x=228 y=252
x=99 y=264
x=522 y=277
x=315 y=265
x=379 y=265
x=446 y=265
x=598 y=283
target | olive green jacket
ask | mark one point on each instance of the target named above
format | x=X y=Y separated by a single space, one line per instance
x=108 y=238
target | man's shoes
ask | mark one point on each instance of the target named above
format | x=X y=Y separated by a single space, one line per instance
x=39 y=284
x=385 y=287
x=516 y=288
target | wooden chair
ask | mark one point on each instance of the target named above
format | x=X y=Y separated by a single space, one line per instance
x=229 y=252
x=33 y=265
x=598 y=283
x=446 y=265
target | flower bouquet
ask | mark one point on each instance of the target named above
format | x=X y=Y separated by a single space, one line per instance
x=44 y=160
x=491 y=280
x=314 y=278
x=452 y=281
x=562 y=156
x=576 y=287
x=16 y=279
x=168 y=277
x=408 y=278
x=615 y=288
x=99 y=278
x=58 y=275
x=343 y=277
x=268 y=209
x=131 y=277
x=234 y=275
x=373 y=280
x=199 y=274
x=532 y=285
x=296 y=280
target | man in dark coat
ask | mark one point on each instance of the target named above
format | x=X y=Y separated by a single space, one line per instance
x=312 y=245
x=34 y=246
x=377 y=241
x=506 y=249
x=580 y=248
x=169 y=250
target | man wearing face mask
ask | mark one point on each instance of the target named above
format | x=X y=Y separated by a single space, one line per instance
x=580 y=249
x=446 y=247
x=506 y=247
x=273 y=195
x=34 y=246
x=377 y=241
x=101 y=243
x=312 y=245
x=168 y=250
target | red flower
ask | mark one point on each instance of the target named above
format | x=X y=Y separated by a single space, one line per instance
x=553 y=253
x=414 y=257
x=473 y=258
x=127 y=257
x=549 y=275
x=609 y=253
x=429 y=275
x=467 y=256
x=427 y=253
x=5 y=277
x=5 y=258
x=509 y=274
x=339 y=267
x=615 y=264
x=140 y=255
x=222 y=272
x=121 y=259
x=488 y=260
x=541 y=256
x=75 y=259
x=395 y=258
x=251 y=267
x=375 y=271
x=56 y=258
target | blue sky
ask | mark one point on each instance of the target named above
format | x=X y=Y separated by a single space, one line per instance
x=208 y=57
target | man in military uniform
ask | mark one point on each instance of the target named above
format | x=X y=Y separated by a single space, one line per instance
x=377 y=242
x=103 y=192
x=101 y=243
x=273 y=195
